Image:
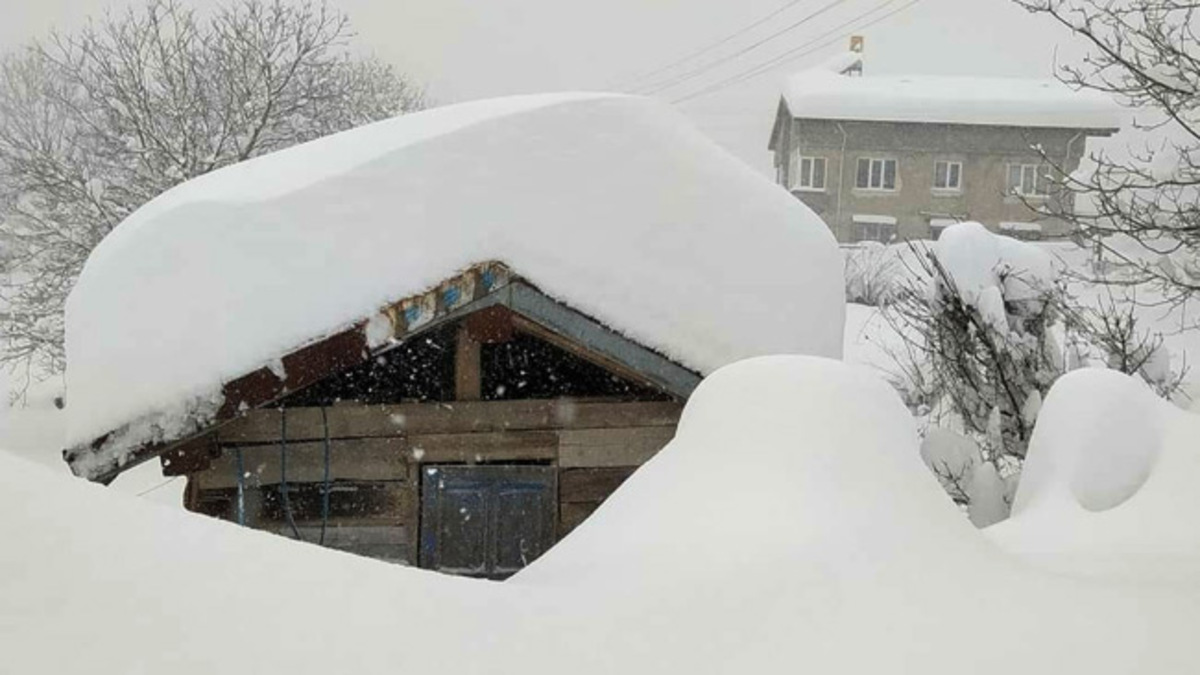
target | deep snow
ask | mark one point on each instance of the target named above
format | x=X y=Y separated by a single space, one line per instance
x=1109 y=486
x=828 y=548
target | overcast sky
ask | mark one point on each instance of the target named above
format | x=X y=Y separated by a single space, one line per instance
x=468 y=49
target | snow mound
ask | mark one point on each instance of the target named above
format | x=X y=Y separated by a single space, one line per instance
x=825 y=93
x=613 y=204
x=789 y=526
x=1109 y=483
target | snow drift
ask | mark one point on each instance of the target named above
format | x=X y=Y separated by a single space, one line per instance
x=1109 y=484
x=831 y=550
x=615 y=205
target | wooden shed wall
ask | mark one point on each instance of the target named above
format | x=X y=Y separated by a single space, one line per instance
x=593 y=444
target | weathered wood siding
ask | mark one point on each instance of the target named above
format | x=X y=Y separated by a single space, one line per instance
x=593 y=445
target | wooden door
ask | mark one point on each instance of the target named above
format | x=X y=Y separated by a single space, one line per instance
x=486 y=520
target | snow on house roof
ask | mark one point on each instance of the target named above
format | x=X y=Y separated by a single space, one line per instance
x=613 y=205
x=832 y=550
x=824 y=93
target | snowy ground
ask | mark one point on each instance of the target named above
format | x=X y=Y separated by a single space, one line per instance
x=837 y=553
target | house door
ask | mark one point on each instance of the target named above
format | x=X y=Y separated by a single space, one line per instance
x=486 y=520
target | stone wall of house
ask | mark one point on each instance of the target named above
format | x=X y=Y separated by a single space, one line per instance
x=984 y=151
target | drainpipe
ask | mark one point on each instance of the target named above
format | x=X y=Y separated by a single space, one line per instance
x=841 y=174
x=1066 y=163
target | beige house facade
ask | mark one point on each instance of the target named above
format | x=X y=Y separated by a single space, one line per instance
x=887 y=159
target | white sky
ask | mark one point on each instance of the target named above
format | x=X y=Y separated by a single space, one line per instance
x=468 y=49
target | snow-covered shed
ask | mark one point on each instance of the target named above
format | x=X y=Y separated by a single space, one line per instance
x=441 y=339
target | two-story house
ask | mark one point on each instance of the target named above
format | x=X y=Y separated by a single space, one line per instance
x=901 y=157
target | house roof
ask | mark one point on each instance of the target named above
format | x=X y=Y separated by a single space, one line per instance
x=641 y=224
x=825 y=92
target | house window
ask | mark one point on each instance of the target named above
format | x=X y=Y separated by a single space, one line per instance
x=876 y=174
x=812 y=174
x=1028 y=180
x=947 y=176
x=938 y=225
x=874 y=228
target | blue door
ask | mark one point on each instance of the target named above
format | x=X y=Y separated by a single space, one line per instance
x=486 y=521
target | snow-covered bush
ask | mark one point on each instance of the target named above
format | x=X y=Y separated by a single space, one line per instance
x=985 y=324
x=870 y=273
x=988 y=328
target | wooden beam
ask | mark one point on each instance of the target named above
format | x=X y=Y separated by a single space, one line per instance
x=602 y=341
x=371 y=459
x=590 y=485
x=190 y=457
x=484 y=447
x=491 y=325
x=572 y=514
x=389 y=421
x=468 y=373
x=611 y=447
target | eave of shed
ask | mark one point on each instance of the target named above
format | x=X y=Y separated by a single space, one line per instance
x=489 y=284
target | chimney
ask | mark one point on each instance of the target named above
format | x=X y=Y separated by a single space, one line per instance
x=857 y=43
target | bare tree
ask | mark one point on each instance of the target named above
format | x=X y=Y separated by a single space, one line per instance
x=96 y=123
x=1140 y=209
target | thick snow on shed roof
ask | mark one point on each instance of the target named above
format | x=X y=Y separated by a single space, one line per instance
x=614 y=205
x=831 y=550
x=824 y=93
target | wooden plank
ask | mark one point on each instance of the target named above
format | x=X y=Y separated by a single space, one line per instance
x=611 y=447
x=572 y=514
x=390 y=543
x=590 y=485
x=354 y=459
x=190 y=457
x=468 y=375
x=375 y=421
x=410 y=513
x=484 y=447
x=605 y=415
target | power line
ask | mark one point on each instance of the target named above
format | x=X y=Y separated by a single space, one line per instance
x=695 y=72
x=798 y=52
x=163 y=484
x=709 y=47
